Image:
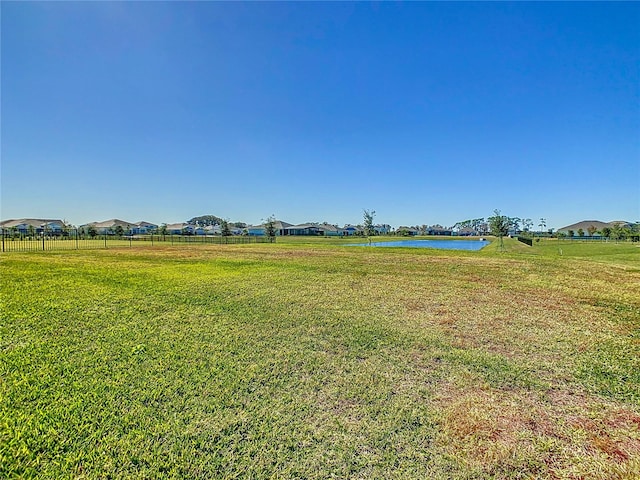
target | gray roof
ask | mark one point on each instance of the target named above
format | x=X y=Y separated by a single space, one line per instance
x=302 y=226
x=319 y=226
x=177 y=226
x=114 y=222
x=278 y=225
x=34 y=222
x=585 y=224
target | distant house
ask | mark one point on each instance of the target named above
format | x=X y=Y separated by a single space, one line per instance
x=109 y=227
x=622 y=223
x=349 y=230
x=143 y=228
x=585 y=225
x=410 y=231
x=467 y=232
x=314 y=229
x=179 y=229
x=217 y=230
x=331 y=230
x=382 y=229
x=279 y=225
x=439 y=230
x=37 y=226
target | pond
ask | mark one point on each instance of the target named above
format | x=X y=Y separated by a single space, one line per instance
x=440 y=244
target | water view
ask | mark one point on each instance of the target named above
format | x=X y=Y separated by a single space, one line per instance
x=440 y=244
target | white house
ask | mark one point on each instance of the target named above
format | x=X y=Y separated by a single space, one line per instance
x=26 y=226
x=217 y=230
x=143 y=228
x=382 y=229
x=109 y=227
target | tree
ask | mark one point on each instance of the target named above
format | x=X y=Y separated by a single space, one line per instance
x=499 y=226
x=592 y=230
x=616 y=232
x=606 y=232
x=270 y=227
x=515 y=224
x=627 y=232
x=225 y=231
x=527 y=223
x=92 y=231
x=462 y=225
x=205 y=220
x=580 y=232
x=119 y=230
x=479 y=225
x=571 y=234
x=368 y=215
x=542 y=224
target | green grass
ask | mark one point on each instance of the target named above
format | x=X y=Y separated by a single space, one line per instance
x=307 y=360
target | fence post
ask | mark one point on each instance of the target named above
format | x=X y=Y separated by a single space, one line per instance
x=3 y=240
x=43 y=241
x=77 y=245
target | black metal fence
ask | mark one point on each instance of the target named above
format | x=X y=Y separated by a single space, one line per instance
x=74 y=239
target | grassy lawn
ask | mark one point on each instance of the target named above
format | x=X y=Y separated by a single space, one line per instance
x=306 y=359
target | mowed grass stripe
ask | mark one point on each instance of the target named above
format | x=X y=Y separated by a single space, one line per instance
x=310 y=361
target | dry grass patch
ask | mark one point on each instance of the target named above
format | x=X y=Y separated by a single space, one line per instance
x=559 y=435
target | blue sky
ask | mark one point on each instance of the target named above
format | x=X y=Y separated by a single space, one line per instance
x=424 y=112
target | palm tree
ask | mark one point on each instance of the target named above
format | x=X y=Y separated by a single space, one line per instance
x=542 y=224
x=617 y=232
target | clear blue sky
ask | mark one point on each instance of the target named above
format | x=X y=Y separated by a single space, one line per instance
x=424 y=112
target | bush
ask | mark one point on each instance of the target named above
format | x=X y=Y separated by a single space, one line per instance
x=526 y=240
